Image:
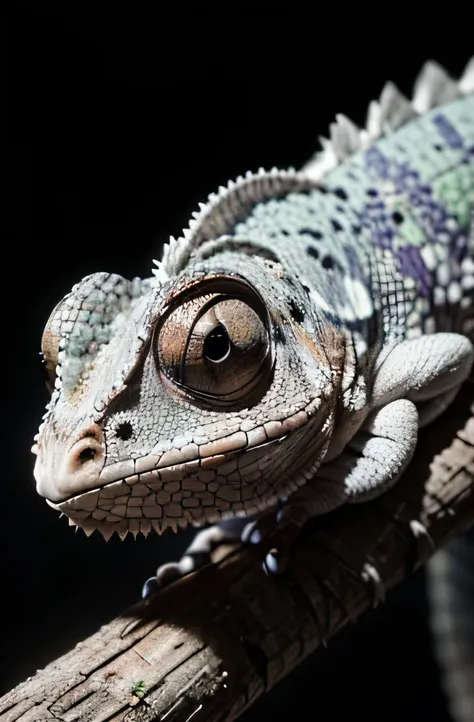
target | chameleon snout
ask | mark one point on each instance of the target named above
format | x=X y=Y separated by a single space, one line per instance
x=63 y=471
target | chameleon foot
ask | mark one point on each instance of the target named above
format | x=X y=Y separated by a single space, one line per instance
x=197 y=555
x=276 y=530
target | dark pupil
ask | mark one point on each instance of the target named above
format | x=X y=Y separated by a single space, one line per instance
x=216 y=344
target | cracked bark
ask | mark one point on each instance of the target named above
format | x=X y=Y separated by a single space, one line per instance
x=243 y=631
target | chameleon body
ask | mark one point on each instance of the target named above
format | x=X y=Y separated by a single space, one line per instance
x=288 y=346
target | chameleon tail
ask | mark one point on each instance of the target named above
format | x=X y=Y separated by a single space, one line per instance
x=451 y=597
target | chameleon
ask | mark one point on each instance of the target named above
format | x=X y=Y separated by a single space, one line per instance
x=281 y=357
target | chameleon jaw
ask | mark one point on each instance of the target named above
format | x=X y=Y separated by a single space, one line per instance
x=195 y=492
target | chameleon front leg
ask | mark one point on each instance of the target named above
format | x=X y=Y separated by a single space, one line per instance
x=371 y=462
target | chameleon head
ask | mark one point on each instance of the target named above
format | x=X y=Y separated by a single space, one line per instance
x=182 y=403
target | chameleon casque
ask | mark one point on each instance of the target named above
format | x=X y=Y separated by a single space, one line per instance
x=287 y=348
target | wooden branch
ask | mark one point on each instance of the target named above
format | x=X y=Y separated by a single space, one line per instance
x=208 y=646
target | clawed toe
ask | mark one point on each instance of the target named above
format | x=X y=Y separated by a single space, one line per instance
x=150 y=588
x=171 y=572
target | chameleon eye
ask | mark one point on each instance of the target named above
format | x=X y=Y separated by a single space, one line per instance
x=215 y=346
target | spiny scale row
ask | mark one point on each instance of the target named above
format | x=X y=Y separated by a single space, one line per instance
x=432 y=88
x=130 y=526
x=223 y=209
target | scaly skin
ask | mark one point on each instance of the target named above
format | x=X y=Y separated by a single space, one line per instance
x=290 y=344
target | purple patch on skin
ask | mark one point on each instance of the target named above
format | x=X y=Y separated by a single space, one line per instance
x=431 y=217
x=412 y=265
x=447 y=131
x=401 y=175
x=377 y=163
x=380 y=227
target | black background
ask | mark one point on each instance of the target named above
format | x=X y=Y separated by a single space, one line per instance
x=117 y=125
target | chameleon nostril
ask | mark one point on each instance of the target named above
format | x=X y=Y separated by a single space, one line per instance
x=87 y=454
x=87 y=451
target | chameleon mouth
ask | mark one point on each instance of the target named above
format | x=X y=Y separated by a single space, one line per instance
x=174 y=497
x=200 y=491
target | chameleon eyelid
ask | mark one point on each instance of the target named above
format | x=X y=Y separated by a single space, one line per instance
x=175 y=355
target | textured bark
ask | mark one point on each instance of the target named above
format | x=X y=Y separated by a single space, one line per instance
x=207 y=647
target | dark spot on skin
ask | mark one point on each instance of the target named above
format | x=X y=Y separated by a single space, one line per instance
x=340 y=193
x=356 y=230
x=328 y=262
x=284 y=233
x=124 y=431
x=323 y=190
x=372 y=192
x=312 y=252
x=277 y=334
x=397 y=217
x=336 y=225
x=305 y=288
x=297 y=313
x=87 y=454
x=317 y=235
x=437 y=146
